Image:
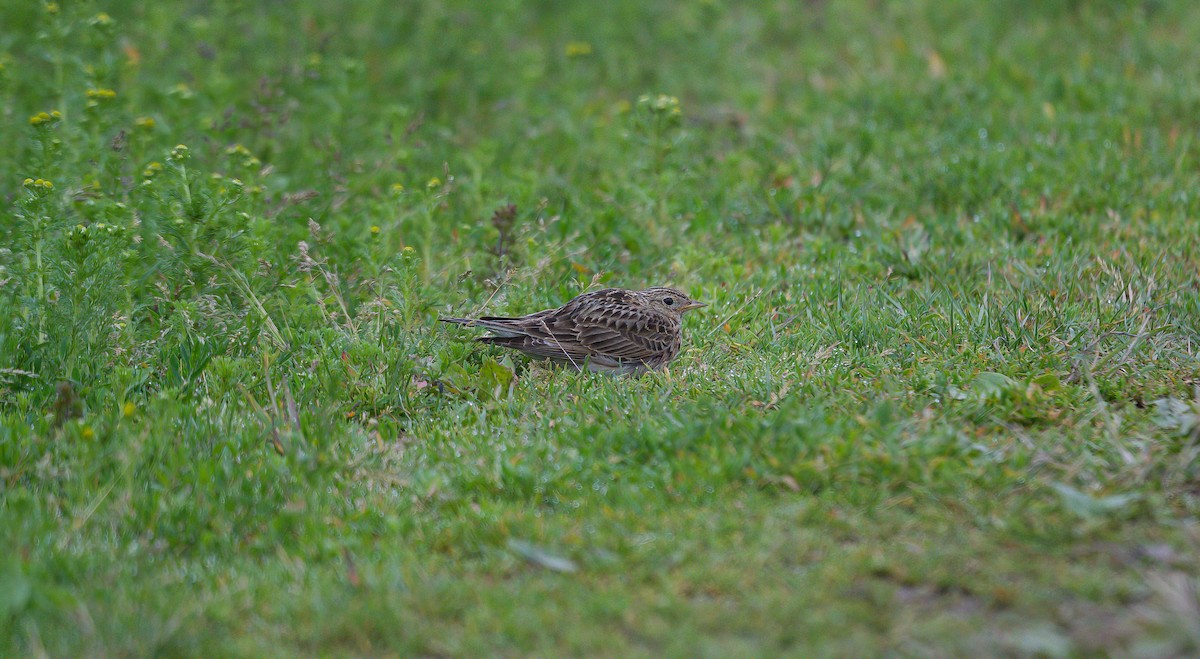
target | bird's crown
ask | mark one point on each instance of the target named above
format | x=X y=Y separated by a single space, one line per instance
x=672 y=300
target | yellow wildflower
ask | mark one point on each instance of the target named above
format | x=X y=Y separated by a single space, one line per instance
x=45 y=118
x=578 y=49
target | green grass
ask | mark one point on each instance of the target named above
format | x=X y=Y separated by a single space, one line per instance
x=946 y=399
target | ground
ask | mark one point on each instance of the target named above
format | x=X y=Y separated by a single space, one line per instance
x=944 y=400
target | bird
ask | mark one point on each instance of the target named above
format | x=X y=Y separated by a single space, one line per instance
x=612 y=330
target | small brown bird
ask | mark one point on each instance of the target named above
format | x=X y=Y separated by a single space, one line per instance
x=611 y=330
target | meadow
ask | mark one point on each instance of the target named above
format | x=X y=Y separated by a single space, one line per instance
x=945 y=399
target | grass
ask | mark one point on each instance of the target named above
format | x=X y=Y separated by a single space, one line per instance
x=944 y=401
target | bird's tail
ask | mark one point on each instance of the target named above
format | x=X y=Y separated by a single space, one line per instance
x=501 y=327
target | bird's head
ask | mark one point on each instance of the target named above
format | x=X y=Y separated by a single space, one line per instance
x=670 y=300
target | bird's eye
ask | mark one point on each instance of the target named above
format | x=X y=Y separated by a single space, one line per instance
x=668 y=301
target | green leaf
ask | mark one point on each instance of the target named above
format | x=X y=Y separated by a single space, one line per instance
x=1048 y=382
x=495 y=380
x=1040 y=641
x=991 y=386
x=540 y=557
x=454 y=379
x=1178 y=415
x=15 y=590
x=1089 y=507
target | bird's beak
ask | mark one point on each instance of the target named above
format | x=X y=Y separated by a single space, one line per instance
x=692 y=305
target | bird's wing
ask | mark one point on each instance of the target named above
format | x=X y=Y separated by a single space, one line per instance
x=625 y=334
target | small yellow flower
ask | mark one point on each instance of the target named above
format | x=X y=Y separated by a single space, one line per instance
x=237 y=150
x=578 y=49
x=434 y=182
x=101 y=20
x=408 y=249
x=88 y=433
x=37 y=186
x=145 y=123
x=180 y=153
x=152 y=169
x=97 y=96
x=374 y=228
x=45 y=118
x=51 y=7
x=128 y=409
x=397 y=188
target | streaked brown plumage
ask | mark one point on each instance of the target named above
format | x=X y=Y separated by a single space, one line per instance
x=611 y=330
